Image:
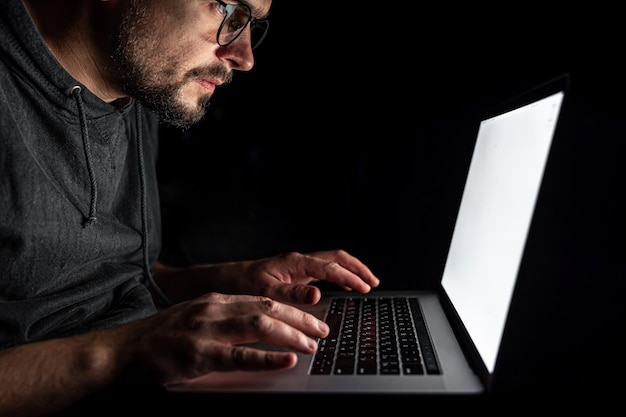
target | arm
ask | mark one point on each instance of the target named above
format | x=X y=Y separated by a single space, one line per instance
x=44 y=377
x=184 y=341
x=286 y=277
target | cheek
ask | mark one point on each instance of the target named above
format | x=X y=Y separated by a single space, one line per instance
x=188 y=48
x=193 y=56
x=170 y=59
x=176 y=50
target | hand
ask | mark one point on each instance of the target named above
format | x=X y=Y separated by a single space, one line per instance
x=181 y=342
x=204 y=335
x=287 y=277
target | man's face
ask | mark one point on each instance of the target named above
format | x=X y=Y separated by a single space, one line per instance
x=166 y=55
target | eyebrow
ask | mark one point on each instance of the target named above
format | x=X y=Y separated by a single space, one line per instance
x=254 y=9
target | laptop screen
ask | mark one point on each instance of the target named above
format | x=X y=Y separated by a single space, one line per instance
x=494 y=217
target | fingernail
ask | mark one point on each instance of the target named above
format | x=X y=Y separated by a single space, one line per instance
x=323 y=326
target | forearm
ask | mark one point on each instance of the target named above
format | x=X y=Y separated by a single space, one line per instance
x=181 y=284
x=44 y=377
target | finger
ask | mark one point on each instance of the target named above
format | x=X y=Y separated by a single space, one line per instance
x=341 y=269
x=350 y=263
x=221 y=298
x=261 y=328
x=225 y=358
x=251 y=307
x=305 y=322
x=284 y=314
x=295 y=293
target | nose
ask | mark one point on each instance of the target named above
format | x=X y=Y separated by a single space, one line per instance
x=239 y=53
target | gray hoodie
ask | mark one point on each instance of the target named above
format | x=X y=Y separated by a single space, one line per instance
x=79 y=208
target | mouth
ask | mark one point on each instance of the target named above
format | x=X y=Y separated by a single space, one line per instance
x=209 y=85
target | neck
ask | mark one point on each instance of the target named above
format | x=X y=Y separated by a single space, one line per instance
x=71 y=31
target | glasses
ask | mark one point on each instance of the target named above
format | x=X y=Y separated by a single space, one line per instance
x=236 y=18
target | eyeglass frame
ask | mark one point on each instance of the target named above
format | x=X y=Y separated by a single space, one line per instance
x=252 y=21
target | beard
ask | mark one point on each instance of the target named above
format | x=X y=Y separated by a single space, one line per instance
x=148 y=76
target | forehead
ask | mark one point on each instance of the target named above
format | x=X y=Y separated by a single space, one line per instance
x=178 y=9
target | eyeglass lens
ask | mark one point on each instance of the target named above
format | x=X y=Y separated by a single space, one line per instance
x=237 y=17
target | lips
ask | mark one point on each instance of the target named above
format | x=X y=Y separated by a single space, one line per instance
x=209 y=86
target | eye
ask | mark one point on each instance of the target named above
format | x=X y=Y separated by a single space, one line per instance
x=240 y=16
x=219 y=7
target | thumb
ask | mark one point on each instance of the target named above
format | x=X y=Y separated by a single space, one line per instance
x=296 y=293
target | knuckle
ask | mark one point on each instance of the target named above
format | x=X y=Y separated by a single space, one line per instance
x=246 y=359
x=332 y=266
x=268 y=305
x=259 y=322
x=309 y=319
x=294 y=292
x=222 y=360
x=238 y=356
x=290 y=256
x=213 y=297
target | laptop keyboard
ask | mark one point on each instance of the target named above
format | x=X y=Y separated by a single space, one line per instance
x=375 y=336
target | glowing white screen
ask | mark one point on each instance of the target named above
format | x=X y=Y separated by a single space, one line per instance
x=494 y=217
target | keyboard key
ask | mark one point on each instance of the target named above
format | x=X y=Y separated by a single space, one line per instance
x=375 y=336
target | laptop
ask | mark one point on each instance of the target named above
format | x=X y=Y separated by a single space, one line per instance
x=460 y=325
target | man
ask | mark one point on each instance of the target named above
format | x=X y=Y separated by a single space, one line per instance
x=84 y=302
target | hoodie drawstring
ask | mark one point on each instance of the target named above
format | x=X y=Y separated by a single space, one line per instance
x=91 y=219
x=76 y=90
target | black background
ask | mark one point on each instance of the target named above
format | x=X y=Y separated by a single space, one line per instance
x=354 y=131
